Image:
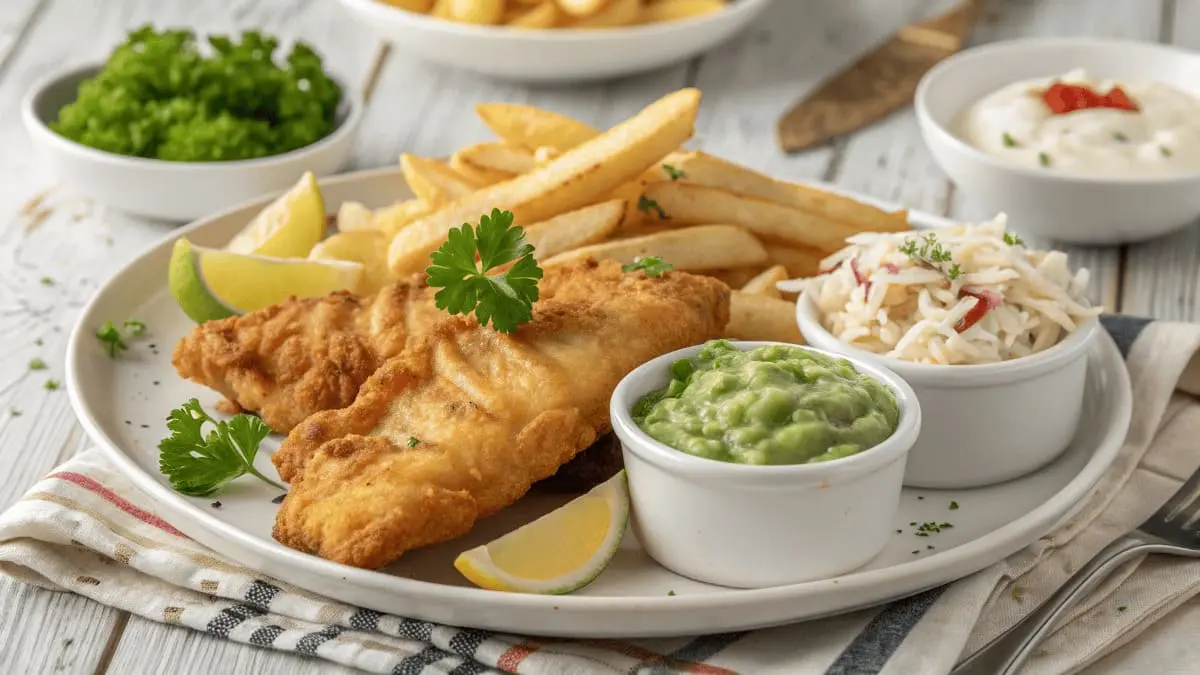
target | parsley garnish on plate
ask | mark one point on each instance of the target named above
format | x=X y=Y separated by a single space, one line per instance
x=110 y=337
x=51 y=385
x=1013 y=239
x=47 y=281
x=652 y=265
x=37 y=364
x=134 y=328
x=504 y=298
x=646 y=205
x=672 y=172
x=199 y=464
x=928 y=251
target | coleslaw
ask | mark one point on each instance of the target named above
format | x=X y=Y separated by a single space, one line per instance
x=968 y=294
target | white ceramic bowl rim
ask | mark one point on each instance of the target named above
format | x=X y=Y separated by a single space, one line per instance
x=997 y=51
x=350 y=109
x=1074 y=346
x=646 y=31
x=681 y=463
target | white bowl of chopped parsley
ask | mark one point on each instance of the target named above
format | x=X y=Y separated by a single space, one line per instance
x=168 y=129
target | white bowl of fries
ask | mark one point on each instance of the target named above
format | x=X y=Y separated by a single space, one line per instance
x=555 y=40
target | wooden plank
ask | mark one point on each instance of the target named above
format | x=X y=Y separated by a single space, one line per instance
x=46 y=632
x=150 y=647
x=1162 y=277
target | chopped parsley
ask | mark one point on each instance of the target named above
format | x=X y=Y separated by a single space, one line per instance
x=929 y=252
x=1008 y=140
x=953 y=505
x=505 y=298
x=672 y=172
x=1122 y=608
x=1013 y=239
x=37 y=364
x=39 y=342
x=51 y=385
x=670 y=592
x=1043 y=159
x=652 y=265
x=927 y=528
x=15 y=412
x=47 y=281
x=1164 y=151
x=646 y=205
x=134 y=328
x=110 y=337
x=1018 y=593
x=1119 y=136
x=413 y=441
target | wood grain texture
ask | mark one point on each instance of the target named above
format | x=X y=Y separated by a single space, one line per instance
x=46 y=632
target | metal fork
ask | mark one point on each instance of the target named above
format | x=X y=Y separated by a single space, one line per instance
x=1172 y=529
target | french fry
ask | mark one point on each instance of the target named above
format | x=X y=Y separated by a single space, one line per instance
x=688 y=203
x=477 y=174
x=576 y=179
x=390 y=219
x=673 y=10
x=617 y=13
x=764 y=282
x=581 y=7
x=433 y=181
x=704 y=247
x=799 y=261
x=735 y=277
x=477 y=11
x=497 y=157
x=530 y=127
x=361 y=246
x=574 y=229
x=419 y=6
x=704 y=169
x=759 y=317
x=545 y=154
x=354 y=217
x=541 y=16
x=441 y=10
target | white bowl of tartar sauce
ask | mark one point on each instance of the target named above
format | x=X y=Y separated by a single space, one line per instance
x=1082 y=140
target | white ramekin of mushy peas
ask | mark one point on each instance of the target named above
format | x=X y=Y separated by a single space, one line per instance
x=756 y=464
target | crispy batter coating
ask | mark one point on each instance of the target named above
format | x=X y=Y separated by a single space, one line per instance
x=464 y=420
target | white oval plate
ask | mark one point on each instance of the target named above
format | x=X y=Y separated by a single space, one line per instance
x=123 y=403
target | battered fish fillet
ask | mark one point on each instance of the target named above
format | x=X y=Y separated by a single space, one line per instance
x=464 y=420
x=290 y=360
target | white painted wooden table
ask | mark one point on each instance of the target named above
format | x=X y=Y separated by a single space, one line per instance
x=54 y=256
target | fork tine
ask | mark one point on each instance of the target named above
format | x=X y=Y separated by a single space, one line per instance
x=1184 y=502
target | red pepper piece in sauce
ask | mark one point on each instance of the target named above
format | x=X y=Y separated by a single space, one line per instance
x=1066 y=98
x=987 y=300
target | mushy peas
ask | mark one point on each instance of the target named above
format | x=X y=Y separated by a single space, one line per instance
x=776 y=404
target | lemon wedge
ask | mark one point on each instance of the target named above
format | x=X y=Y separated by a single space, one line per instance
x=560 y=552
x=211 y=284
x=288 y=227
x=366 y=247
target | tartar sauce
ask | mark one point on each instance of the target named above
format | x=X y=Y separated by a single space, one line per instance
x=1159 y=136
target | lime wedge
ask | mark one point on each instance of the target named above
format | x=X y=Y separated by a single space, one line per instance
x=289 y=227
x=560 y=552
x=211 y=284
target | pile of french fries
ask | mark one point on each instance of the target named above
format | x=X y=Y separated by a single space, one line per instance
x=543 y=14
x=621 y=194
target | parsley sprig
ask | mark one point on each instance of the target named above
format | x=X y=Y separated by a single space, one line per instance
x=199 y=464
x=929 y=252
x=652 y=265
x=505 y=298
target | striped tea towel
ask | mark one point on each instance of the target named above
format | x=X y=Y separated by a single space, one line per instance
x=86 y=529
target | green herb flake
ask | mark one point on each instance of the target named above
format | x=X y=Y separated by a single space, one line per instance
x=14 y=412
x=413 y=441
x=47 y=281
x=134 y=328
x=504 y=299
x=646 y=205
x=51 y=385
x=1122 y=608
x=39 y=342
x=37 y=364
x=953 y=506
x=1120 y=137
x=1164 y=151
x=672 y=172
x=670 y=593
x=1043 y=159
x=652 y=265
x=110 y=337
x=1013 y=239
x=1018 y=593
x=1008 y=140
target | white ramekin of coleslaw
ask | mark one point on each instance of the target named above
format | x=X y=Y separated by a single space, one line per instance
x=992 y=336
